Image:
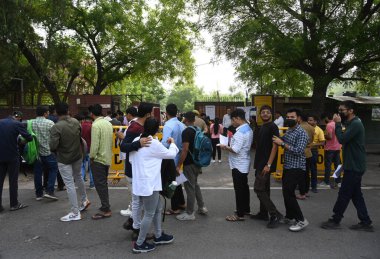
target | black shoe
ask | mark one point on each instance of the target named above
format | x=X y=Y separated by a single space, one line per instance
x=363 y=227
x=128 y=225
x=274 y=221
x=330 y=224
x=143 y=248
x=19 y=206
x=260 y=216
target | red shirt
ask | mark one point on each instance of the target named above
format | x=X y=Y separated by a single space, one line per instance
x=86 y=133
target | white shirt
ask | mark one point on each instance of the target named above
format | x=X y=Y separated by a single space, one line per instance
x=226 y=120
x=241 y=144
x=279 y=122
x=108 y=118
x=146 y=167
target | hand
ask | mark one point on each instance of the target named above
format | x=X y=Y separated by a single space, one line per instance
x=170 y=141
x=265 y=170
x=337 y=118
x=145 y=142
x=224 y=147
x=277 y=140
x=120 y=134
x=178 y=170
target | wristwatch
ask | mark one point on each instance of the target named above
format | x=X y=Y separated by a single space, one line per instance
x=283 y=144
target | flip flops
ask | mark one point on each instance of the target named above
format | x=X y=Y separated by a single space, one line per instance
x=234 y=218
x=101 y=215
x=19 y=206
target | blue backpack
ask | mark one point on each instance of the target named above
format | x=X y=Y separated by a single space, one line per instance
x=202 y=148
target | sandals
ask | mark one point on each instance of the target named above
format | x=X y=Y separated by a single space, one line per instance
x=102 y=215
x=19 y=206
x=234 y=218
x=172 y=212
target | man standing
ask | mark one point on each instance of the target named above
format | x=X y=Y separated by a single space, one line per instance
x=199 y=122
x=65 y=140
x=354 y=165
x=100 y=156
x=190 y=170
x=41 y=127
x=86 y=135
x=294 y=143
x=240 y=161
x=10 y=129
x=265 y=163
x=279 y=120
x=173 y=129
x=226 y=122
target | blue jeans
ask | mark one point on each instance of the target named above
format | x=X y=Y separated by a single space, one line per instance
x=51 y=163
x=351 y=190
x=85 y=165
x=331 y=156
x=313 y=169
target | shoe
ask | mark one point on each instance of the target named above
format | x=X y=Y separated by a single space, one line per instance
x=260 y=216
x=299 y=225
x=220 y=161
x=19 y=206
x=301 y=197
x=339 y=185
x=202 y=211
x=287 y=221
x=323 y=184
x=50 y=196
x=314 y=190
x=143 y=248
x=92 y=187
x=128 y=225
x=61 y=188
x=363 y=227
x=330 y=224
x=38 y=198
x=274 y=221
x=163 y=239
x=84 y=205
x=127 y=212
x=213 y=161
x=71 y=217
x=185 y=216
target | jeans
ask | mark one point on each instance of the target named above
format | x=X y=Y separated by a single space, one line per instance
x=331 y=156
x=137 y=207
x=305 y=184
x=214 y=142
x=86 y=166
x=12 y=168
x=51 y=163
x=262 y=190
x=152 y=213
x=192 y=188
x=351 y=190
x=71 y=173
x=241 y=188
x=313 y=168
x=100 y=174
x=290 y=179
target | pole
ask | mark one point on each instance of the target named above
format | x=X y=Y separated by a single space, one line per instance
x=22 y=88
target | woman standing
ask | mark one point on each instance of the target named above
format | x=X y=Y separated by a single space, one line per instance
x=216 y=129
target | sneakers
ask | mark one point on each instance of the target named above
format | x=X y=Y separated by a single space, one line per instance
x=299 y=225
x=288 y=221
x=128 y=225
x=185 y=216
x=127 y=212
x=71 y=217
x=213 y=161
x=202 y=211
x=143 y=248
x=39 y=198
x=260 y=216
x=220 y=161
x=330 y=224
x=274 y=220
x=163 y=239
x=363 y=227
x=84 y=205
x=50 y=196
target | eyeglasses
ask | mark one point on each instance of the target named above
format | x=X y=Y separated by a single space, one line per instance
x=342 y=110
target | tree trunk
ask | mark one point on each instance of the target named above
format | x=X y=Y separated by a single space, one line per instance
x=318 y=99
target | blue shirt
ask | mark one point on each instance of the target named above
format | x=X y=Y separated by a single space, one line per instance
x=173 y=129
x=10 y=129
x=297 y=140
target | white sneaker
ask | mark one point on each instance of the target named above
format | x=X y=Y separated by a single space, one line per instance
x=84 y=205
x=220 y=161
x=213 y=161
x=185 y=216
x=39 y=198
x=127 y=212
x=299 y=225
x=202 y=211
x=50 y=197
x=71 y=217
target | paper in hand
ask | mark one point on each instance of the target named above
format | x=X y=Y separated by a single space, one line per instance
x=181 y=179
x=338 y=171
x=223 y=140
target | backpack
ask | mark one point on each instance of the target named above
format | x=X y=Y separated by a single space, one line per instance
x=30 y=153
x=202 y=148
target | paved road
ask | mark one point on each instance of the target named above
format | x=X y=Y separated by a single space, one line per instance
x=36 y=232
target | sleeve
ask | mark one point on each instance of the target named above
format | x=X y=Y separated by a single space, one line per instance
x=160 y=151
x=299 y=148
x=275 y=130
x=54 y=138
x=127 y=145
x=349 y=134
x=23 y=132
x=321 y=136
x=166 y=133
x=95 y=141
x=238 y=142
x=185 y=136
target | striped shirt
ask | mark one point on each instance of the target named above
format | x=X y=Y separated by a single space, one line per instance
x=241 y=144
x=41 y=127
x=101 y=141
x=297 y=140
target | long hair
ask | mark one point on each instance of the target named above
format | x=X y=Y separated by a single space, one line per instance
x=216 y=126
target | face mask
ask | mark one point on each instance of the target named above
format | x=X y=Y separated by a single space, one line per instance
x=290 y=123
x=343 y=116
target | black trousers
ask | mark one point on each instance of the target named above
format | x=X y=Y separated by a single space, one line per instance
x=262 y=190
x=100 y=174
x=290 y=179
x=214 y=142
x=178 y=200
x=305 y=185
x=241 y=188
x=12 y=169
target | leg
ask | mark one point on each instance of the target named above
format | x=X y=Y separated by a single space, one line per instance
x=240 y=181
x=344 y=196
x=37 y=168
x=3 y=173
x=359 y=203
x=313 y=165
x=67 y=176
x=190 y=188
x=328 y=159
x=336 y=161
x=137 y=206
x=61 y=184
x=79 y=180
x=214 y=141
x=150 y=206
x=290 y=179
x=219 y=151
x=100 y=173
x=178 y=199
x=262 y=190
x=51 y=163
x=13 y=172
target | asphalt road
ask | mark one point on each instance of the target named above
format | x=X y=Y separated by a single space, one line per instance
x=36 y=232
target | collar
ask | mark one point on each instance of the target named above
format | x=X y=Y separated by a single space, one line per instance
x=99 y=118
x=238 y=128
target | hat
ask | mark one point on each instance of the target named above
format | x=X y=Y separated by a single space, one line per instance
x=17 y=114
x=196 y=112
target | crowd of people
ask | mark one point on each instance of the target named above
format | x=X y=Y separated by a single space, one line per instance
x=60 y=136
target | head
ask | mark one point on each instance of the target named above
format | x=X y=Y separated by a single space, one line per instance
x=266 y=113
x=347 y=110
x=237 y=117
x=327 y=117
x=189 y=118
x=17 y=115
x=229 y=111
x=115 y=115
x=151 y=127
x=79 y=117
x=131 y=113
x=109 y=113
x=312 y=120
x=95 y=111
x=196 y=113
x=171 y=110
x=277 y=114
x=42 y=111
x=203 y=115
x=145 y=110
x=293 y=116
x=52 y=109
x=62 y=109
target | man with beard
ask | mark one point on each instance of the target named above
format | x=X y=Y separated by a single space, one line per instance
x=354 y=166
x=265 y=164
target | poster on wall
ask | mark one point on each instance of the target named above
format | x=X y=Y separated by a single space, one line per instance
x=210 y=111
x=376 y=113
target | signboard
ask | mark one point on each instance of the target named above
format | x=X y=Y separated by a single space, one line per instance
x=116 y=164
x=210 y=111
x=260 y=100
x=376 y=113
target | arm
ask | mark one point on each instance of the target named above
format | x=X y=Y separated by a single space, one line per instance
x=95 y=139
x=273 y=152
x=23 y=132
x=185 y=150
x=162 y=152
x=166 y=133
x=54 y=138
x=350 y=133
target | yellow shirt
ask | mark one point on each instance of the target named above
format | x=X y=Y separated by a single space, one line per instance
x=319 y=135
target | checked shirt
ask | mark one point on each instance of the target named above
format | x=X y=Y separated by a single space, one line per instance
x=297 y=140
x=41 y=127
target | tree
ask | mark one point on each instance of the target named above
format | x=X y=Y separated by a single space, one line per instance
x=184 y=96
x=324 y=39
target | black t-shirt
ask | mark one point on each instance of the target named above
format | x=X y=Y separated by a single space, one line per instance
x=264 y=146
x=188 y=136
